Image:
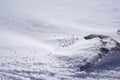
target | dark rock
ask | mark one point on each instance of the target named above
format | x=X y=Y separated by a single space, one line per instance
x=86 y=66
x=91 y=36
x=104 y=50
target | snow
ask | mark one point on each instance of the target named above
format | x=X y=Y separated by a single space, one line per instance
x=44 y=39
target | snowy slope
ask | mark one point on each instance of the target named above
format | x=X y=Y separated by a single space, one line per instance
x=44 y=39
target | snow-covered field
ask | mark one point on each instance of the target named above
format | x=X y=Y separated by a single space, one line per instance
x=44 y=39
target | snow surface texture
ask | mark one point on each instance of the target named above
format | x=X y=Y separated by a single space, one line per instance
x=44 y=39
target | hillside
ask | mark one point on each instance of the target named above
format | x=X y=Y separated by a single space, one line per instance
x=59 y=40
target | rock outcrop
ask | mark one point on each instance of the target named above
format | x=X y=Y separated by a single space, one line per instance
x=107 y=44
